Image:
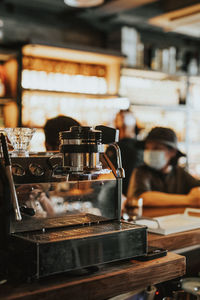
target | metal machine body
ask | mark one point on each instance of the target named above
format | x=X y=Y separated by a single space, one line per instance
x=70 y=204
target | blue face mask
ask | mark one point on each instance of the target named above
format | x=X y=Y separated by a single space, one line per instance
x=155 y=159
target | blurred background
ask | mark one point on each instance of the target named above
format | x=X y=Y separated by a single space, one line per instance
x=90 y=60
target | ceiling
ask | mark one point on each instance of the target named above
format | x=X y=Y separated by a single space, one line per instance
x=101 y=15
x=104 y=18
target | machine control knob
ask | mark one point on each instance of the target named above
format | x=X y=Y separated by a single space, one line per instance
x=36 y=170
x=18 y=170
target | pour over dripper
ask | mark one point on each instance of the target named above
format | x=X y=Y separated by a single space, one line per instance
x=20 y=139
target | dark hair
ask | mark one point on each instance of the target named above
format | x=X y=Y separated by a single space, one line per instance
x=173 y=160
x=53 y=127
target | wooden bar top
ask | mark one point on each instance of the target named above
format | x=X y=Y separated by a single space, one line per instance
x=111 y=280
x=175 y=241
x=172 y=241
x=115 y=278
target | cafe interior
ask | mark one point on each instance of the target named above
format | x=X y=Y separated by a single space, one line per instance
x=99 y=149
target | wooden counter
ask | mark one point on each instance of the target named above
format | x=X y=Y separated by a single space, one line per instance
x=113 y=279
x=175 y=241
x=172 y=241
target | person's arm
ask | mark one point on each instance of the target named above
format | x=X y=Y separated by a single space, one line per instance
x=153 y=198
x=140 y=187
x=46 y=204
x=39 y=195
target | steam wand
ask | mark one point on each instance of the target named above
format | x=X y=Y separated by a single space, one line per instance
x=8 y=169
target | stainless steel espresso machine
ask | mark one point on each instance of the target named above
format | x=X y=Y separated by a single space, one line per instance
x=61 y=212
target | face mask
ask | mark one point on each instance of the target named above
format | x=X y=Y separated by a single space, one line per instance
x=155 y=159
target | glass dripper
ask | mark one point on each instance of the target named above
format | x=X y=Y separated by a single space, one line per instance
x=20 y=138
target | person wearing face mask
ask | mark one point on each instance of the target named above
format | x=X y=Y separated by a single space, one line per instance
x=160 y=181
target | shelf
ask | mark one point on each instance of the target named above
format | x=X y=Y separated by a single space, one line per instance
x=103 y=96
x=194 y=79
x=4 y=56
x=4 y=100
x=145 y=87
x=164 y=107
x=151 y=74
x=180 y=107
x=83 y=54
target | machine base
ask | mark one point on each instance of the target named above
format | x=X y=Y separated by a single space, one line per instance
x=37 y=254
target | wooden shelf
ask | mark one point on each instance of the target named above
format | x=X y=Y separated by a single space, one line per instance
x=71 y=94
x=4 y=100
x=89 y=55
x=164 y=107
x=151 y=74
x=6 y=55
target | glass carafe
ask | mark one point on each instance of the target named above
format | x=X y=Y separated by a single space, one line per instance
x=20 y=138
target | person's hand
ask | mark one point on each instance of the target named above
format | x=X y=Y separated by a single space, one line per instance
x=194 y=197
x=24 y=190
x=38 y=194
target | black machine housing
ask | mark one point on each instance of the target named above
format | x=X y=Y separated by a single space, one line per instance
x=70 y=203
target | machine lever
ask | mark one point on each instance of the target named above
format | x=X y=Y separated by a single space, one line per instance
x=8 y=170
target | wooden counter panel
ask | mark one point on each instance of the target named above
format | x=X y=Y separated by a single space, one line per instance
x=113 y=279
x=175 y=241
x=172 y=241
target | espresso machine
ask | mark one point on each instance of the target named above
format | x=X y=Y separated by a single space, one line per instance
x=62 y=211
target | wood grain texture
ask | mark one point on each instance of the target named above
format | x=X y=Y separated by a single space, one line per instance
x=113 y=279
x=175 y=241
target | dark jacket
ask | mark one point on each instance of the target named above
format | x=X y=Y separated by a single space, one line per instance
x=177 y=181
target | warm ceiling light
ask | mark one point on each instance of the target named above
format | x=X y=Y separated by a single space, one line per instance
x=83 y=3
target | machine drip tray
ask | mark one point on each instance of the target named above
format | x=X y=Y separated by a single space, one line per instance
x=38 y=254
x=67 y=220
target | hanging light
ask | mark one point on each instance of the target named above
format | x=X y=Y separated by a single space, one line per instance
x=83 y=3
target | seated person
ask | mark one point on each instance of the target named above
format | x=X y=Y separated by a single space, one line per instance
x=132 y=155
x=52 y=129
x=160 y=181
